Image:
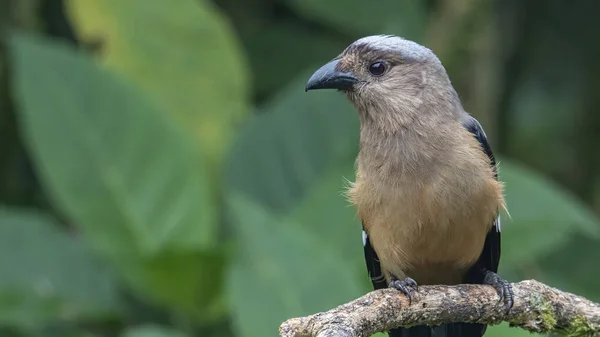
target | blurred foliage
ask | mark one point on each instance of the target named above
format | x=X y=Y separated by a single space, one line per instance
x=402 y=17
x=163 y=173
x=176 y=59
x=139 y=192
x=284 y=276
x=53 y=275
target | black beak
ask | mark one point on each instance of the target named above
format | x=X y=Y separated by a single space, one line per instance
x=327 y=77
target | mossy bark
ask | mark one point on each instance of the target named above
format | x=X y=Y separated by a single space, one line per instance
x=537 y=308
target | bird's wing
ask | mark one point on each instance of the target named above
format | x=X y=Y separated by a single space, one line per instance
x=373 y=265
x=490 y=256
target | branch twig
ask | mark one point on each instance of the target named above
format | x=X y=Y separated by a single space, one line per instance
x=537 y=308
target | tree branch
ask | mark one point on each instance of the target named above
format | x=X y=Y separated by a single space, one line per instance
x=537 y=308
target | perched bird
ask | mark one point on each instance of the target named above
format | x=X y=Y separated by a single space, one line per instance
x=426 y=186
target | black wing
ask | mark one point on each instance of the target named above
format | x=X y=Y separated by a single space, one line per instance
x=490 y=256
x=373 y=265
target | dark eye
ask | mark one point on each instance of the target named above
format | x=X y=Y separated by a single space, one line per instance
x=377 y=68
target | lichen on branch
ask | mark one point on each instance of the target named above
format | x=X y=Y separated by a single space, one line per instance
x=537 y=308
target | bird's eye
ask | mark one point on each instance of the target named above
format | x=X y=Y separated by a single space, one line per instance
x=377 y=68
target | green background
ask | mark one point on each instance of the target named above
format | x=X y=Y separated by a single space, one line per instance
x=164 y=174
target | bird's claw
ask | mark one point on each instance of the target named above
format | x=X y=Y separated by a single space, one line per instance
x=406 y=286
x=503 y=288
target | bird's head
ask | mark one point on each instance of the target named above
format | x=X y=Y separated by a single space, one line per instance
x=385 y=74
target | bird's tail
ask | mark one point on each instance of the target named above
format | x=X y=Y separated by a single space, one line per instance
x=445 y=330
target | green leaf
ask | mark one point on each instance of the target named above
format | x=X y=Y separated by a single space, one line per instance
x=291 y=144
x=182 y=53
x=297 y=47
x=406 y=18
x=282 y=271
x=152 y=330
x=504 y=330
x=116 y=166
x=544 y=216
x=48 y=275
x=572 y=267
x=325 y=212
x=191 y=282
x=107 y=154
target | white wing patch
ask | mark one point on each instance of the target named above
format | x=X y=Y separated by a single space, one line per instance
x=364 y=235
x=497 y=223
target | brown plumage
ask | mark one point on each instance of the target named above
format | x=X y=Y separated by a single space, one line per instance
x=426 y=188
x=426 y=202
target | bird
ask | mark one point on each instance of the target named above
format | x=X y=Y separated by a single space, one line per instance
x=426 y=189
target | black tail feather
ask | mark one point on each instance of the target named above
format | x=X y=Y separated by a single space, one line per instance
x=446 y=330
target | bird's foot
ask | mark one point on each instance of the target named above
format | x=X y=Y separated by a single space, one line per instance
x=502 y=286
x=407 y=286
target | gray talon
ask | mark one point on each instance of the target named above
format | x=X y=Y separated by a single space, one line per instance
x=407 y=286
